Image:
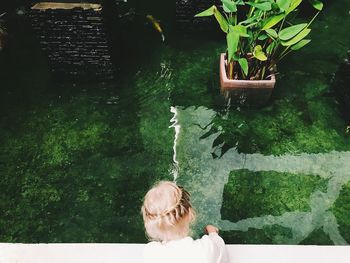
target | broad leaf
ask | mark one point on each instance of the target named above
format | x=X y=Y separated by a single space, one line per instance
x=208 y=12
x=229 y=6
x=297 y=38
x=317 y=4
x=240 y=30
x=274 y=6
x=244 y=65
x=231 y=19
x=221 y=20
x=214 y=11
x=283 y=4
x=273 y=21
x=259 y=53
x=293 y=5
x=272 y=32
x=300 y=44
x=263 y=37
x=235 y=57
x=291 y=31
x=266 y=6
x=232 y=44
x=249 y=20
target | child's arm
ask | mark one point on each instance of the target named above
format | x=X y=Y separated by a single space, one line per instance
x=219 y=249
x=211 y=229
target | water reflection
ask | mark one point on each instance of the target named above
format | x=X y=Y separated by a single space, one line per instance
x=205 y=177
x=176 y=126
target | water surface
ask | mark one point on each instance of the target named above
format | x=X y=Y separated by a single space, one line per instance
x=77 y=158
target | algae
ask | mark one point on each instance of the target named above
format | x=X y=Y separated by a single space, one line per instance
x=248 y=194
x=341 y=210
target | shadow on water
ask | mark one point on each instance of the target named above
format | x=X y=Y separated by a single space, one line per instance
x=258 y=198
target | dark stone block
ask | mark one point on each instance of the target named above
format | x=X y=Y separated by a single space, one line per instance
x=75 y=41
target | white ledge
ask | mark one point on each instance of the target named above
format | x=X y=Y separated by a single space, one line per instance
x=132 y=253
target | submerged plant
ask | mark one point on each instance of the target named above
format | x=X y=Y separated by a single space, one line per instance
x=265 y=35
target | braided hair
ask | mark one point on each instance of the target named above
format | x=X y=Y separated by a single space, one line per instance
x=167 y=212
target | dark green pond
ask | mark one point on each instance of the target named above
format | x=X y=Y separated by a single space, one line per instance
x=77 y=159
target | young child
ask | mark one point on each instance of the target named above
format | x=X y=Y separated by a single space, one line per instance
x=167 y=215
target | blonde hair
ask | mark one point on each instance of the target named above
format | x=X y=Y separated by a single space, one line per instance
x=167 y=212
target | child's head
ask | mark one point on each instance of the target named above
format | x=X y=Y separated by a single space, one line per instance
x=167 y=212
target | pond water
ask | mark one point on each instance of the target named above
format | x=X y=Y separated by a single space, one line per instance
x=77 y=158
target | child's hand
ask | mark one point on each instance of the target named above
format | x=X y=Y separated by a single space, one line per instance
x=211 y=229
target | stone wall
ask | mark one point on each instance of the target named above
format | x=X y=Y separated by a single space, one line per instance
x=74 y=38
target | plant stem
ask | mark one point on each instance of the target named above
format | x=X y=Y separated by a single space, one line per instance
x=227 y=18
x=263 y=72
x=275 y=49
x=312 y=20
x=252 y=8
x=230 y=70
x=281 y=24
x=284 y=52
x=282 y=56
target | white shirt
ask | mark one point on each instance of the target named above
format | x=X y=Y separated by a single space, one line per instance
x=209 y=249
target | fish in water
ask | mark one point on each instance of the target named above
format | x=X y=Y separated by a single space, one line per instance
x=156 y=25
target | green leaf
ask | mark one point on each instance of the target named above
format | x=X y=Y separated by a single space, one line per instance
x=259 y=53
x=214 y=11
x=232 y=44
x=249 y=20
x=244 y=65
x=239 y=29
x=235 y=57
x=297 y=38
x=231 y=19
x=300 y=44
x=208 y=12
x=317 y=4
x=283 y=4
x=273 y=21
x=291 y=31
x=272 y=32
x=221 y=20
x=229 y=6
x=265 y=6
x=274 y=6
x=293 y=5
x=263 y=37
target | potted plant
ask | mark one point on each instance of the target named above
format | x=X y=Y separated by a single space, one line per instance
x=259 y=33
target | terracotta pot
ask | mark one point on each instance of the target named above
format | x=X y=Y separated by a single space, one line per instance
x=236 y=83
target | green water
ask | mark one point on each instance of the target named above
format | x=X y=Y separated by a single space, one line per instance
x=77 y=159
